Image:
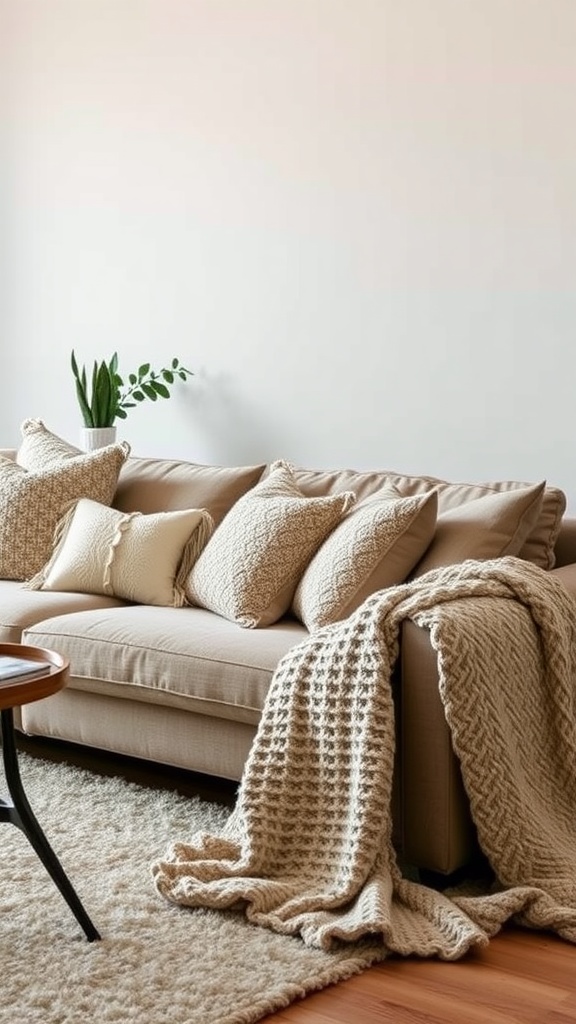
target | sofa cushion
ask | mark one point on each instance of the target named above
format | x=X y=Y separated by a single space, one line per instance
x=489 y=527
x=144 y=558
x=164 y=485
x=538 y=546
x=249 y=569
x=32 y=503
x=185 y=658
x=40 y=447
x=375 y=546
x=21 y=608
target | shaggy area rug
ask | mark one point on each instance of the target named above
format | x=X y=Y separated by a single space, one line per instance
x=156 y=963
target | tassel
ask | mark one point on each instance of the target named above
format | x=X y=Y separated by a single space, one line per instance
x=62 y=526
x=192 y=550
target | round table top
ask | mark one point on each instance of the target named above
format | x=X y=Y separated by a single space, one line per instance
x=18 y=690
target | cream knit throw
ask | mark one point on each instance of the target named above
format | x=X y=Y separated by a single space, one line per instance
x=308 y=847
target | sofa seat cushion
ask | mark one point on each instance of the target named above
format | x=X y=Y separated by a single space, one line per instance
x=185 y=658
x=21 y=608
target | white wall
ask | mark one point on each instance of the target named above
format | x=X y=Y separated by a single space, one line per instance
x=354 y=219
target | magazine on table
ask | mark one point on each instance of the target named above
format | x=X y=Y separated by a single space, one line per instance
x=11 y=667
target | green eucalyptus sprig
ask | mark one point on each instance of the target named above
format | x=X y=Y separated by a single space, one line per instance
x=108 y=398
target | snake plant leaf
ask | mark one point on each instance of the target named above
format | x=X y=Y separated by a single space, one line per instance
x=108 y=399
x=103 y=406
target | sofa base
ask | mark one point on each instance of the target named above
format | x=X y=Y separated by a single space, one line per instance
x=219 y=748
x=213 y=746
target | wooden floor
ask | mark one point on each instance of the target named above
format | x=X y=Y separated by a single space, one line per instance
x=522 y=977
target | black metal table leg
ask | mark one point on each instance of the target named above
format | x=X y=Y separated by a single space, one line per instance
x=19 y=813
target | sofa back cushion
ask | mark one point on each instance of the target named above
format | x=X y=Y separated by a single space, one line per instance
x=167 y=485
x=538 y=547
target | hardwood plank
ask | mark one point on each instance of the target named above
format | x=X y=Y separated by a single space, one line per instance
x=522 y=977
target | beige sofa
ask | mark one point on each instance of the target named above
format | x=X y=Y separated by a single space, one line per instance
x=185 y=686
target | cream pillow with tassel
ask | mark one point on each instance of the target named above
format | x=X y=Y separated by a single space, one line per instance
x=138 y=557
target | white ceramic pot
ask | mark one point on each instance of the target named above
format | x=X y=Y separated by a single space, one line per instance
x=97 y=437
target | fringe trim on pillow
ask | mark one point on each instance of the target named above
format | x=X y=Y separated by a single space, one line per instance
x=192 y=550
x=119 y=532
x=60 y=531
x=350 y=500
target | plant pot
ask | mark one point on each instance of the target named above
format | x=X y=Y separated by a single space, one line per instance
x=97 y=437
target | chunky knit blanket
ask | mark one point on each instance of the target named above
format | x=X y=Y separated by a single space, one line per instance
x=308 y=848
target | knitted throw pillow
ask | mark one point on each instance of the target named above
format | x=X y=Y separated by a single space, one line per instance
x=375 y=546
x=141 y=558
x=40 y=448
x=249 y=569
x=32 y=503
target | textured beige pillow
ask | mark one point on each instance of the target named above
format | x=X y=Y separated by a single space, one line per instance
x=488 y=527
x=32 y=503
x=141 y=558
x=41 y=448
x=375 y=546
x=249 y=569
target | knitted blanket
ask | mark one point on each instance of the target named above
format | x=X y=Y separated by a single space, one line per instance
x=308 y=848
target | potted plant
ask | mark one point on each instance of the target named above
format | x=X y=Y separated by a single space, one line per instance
x=107 y=397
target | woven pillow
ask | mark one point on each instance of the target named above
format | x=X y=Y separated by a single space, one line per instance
x=40 y=448
x=249 y=569
x=32 y=503
x=141 y=558
x=489 y=527
x=375 y=546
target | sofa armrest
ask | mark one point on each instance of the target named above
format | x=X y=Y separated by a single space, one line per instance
x=8 y=453
x=436 y=830
x=567 y=575
x=565 y=547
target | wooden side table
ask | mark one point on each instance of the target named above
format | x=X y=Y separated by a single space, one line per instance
x=14 y=692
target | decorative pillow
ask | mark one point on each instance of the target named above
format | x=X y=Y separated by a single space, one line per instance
x=142 y=558
x=375 y=546
x=489 y=527
x=249 y=569
x=32 y=503
x=41 y=448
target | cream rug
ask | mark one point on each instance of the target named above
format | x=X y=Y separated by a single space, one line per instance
x=156 y=963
